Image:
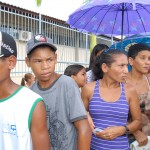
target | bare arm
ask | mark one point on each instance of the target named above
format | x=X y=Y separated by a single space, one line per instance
x=135 y=124
x=134 y=107
x=141 y=138
x=39 y=131
x=84 y=134
x=86 y=96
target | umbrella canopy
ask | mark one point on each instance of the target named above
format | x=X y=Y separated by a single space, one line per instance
x=127 y=42
x=112 y=17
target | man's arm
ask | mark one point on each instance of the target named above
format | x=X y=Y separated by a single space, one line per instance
x=84 y=134
x=39 y=131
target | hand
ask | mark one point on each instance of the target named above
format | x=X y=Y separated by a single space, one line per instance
x=111 y=133
x=141 y=138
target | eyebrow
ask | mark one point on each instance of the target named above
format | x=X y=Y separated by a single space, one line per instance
x=41 y=58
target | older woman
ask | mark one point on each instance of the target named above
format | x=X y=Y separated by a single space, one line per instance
x=109 y=100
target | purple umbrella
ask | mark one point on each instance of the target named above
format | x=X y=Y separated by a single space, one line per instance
x=112 y=17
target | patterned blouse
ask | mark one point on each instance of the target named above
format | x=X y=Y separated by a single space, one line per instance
x=145 y=109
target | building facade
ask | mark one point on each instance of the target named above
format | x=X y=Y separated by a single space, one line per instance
x=73 y=46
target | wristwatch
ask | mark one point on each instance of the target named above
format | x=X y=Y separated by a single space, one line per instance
x=127 y=132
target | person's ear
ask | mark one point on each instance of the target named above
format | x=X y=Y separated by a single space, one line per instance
x=27 y=61
x=104 y=68
x=130 y=59
x=12 y=60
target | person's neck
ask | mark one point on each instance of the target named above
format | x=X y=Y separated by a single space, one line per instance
x=136 y=75
x=7 y=88
x=108 y=83
x=29 y=84
x=46 y=84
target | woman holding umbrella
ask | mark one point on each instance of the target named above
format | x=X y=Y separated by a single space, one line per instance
x=139 y=59
x=108 y=101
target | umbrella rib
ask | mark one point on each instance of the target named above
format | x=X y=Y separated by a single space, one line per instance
x=114 y=22
x=84 y=14
x=81 y=17
x=103 y=17
x=145 y=8
x=94 y=15
x=148 y=12
x=141 y=21
x=128 y=21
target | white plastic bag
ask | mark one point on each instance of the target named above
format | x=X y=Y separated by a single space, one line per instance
x=134 y=145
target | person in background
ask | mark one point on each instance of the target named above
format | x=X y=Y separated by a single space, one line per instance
x=139 y=59
x=66 y=116
x=97 y=50
x=28 y=80
x=22 y=112
x=108 y=100
x=78 y=73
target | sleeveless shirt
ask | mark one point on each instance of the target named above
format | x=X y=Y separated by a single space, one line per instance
x=107 y=114
x=15 y=119
x=145 y=108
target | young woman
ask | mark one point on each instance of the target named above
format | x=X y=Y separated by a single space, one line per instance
x=28 y=80
x=139 y=59
x=108 y=101
x=78 y=73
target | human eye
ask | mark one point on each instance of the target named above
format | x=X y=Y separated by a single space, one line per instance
x=142 y=57
x=50 y=60
x=121 y=65
x=37 y=61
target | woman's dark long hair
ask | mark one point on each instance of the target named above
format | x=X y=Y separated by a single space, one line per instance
x=96 y=49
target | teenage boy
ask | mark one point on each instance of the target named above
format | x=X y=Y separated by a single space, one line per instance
x=66 y=116
x=22 y=112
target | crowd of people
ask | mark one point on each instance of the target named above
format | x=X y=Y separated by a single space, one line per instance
x=104 y=108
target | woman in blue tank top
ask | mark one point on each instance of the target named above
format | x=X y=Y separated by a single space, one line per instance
x=109 y=100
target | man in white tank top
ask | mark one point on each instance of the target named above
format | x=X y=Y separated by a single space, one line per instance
x=22 y=112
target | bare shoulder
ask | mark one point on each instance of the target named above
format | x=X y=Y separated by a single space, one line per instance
x=130 y=91
x=89 y=86
x=88 y=89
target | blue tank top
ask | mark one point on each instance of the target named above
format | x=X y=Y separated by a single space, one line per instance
x=106 y=114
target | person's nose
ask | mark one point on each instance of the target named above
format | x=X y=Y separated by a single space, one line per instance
x=125 y=69
x=44 y=65
x=148 y=61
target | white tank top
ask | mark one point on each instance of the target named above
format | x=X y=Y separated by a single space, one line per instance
x=15 y=119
